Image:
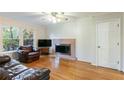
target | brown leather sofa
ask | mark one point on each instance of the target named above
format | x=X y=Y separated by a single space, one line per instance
x=28 y=54
x=11 y=69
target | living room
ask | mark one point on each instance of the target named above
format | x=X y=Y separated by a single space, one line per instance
x=73 y=43
x=70 y=46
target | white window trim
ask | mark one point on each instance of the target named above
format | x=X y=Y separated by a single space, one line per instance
x=20 y=38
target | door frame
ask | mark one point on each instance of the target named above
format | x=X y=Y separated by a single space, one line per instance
x=103 y=21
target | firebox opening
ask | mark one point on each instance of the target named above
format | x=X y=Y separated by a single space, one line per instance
x=63 y=48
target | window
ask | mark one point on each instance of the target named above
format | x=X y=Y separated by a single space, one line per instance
x=27 y=37
x=10 y=38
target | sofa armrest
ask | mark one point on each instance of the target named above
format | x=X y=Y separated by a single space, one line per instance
x=4 y=74
x=4 y=59
x=22 y=52
x=22 y=55
x=36 y=50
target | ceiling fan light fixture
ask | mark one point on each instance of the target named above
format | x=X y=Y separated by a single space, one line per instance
x=54 y=21
x=58 y=20
x=56 y=17
x=49 y=19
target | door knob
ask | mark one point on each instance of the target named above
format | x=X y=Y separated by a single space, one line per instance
x=98 y=46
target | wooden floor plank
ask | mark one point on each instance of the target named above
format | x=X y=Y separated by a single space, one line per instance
x=75 y=70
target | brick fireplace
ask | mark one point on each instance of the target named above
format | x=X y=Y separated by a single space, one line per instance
x=64 y=48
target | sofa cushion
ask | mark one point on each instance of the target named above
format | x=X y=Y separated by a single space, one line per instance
x=4 y=59
x=27 y=48
x=17 y=69
x=10 y=64
x=33 y=53
x=33 y=74
x=26 y=75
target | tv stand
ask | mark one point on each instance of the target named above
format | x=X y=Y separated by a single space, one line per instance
x=44 y=50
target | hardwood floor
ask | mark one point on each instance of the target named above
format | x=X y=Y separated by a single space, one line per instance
x=74 y=70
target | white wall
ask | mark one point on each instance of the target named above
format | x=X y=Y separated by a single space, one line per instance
x=67 y=30
x=39 y=31
x=83 y=30
x=86 y=40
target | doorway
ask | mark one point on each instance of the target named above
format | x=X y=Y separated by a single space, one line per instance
x=108 y=44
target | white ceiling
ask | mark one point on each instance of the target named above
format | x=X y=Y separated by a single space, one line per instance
x=37 y=18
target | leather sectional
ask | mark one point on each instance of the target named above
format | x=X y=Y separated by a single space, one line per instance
x=28 y=54
x=11 y=69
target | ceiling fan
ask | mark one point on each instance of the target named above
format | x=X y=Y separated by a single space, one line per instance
x=56 y=17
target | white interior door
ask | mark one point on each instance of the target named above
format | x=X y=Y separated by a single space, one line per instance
x=114 y=44
x=103 y=44
x=108 y=44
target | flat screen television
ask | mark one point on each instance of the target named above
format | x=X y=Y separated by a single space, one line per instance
x=44 y=43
